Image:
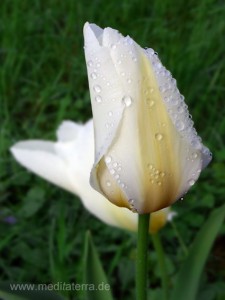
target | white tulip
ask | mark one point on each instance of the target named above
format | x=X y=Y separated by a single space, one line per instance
x=147 y=153
x=67 y=163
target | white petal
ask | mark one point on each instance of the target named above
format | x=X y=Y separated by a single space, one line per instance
x=40 y=158
x=147 y=130
x=105 y=89
x=68 y=131
x=78 y=154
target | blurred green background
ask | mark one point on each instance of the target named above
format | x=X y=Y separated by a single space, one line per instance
x=43 y=81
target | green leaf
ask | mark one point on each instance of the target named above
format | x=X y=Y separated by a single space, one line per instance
x=33 y=201
x=97 y=287
x=16 y=291
x=188 y=278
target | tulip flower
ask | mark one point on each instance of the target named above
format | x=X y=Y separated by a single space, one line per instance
x=147 y=152
x=67 y=163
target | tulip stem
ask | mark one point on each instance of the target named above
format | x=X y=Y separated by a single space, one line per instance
x=141 y=261
x=162 y=264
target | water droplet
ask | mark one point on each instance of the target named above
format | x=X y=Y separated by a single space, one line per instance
x=110 y=114
x=181 y=198
x=158 y=65
x=159 y=183
x=195 y=155
x=90 y=63
x=128 y=80
x=180 y=109
x=158 y=136
x=150 y=102
x=131 y=201
x=191 y=182
x=151 y=90
x=152 y=181
x=113 y=46
x=98 y=65
x=115 y=164
x=119 y=169
x=119 y=62
x=150 y=166
x=97 y=88
x=108 y=159
x=179 y=125
x=122 y=185
x=93 y=75
x=117 y=176
x=108 y=183
x=112 y=171
x=157 y=172
x=98 y=99
x=127 y=100
x=162 y=174
x=134 y=58
x=122 y=73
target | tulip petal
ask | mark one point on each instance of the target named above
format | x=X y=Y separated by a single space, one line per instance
x=40 y=157
x=150 y=155
x=67 y=163
x=68 y=131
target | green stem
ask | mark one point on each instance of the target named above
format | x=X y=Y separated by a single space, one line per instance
x=141 y=262
x=162 y=264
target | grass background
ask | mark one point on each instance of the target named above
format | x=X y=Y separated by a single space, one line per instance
x=43 y=81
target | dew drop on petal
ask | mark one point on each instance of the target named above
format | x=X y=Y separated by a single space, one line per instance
x=108 y=183
x=90 y=63
x=108 y=159
x=112 y=171
x=131 y=201
x=191 y=182
x=93 y=75
x=195 y=155
x=97 y=88
x=110 y=113
x=179 y=125
x=150 y=102
x=127 y=100
x=159 y=136
x=98 y=99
